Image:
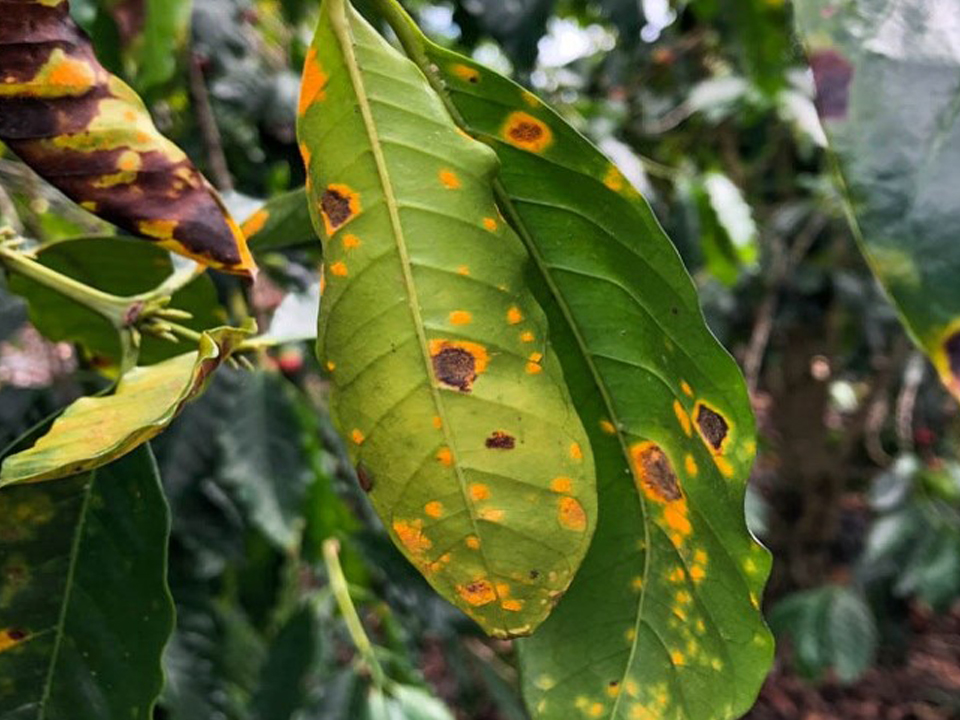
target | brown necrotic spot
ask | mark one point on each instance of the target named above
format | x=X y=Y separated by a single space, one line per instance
x=455 y=367
x=654 y=473
x=713 y=427
x=527 y=132
x=457 y=363
x=500 y=440
x=336 y=207
x=364 y=478
x=832 y=74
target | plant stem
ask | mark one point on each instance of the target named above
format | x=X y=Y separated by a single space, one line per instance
x=338 y=583
x=112 y=307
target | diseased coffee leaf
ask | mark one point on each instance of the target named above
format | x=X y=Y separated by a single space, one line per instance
x=886 y=78
x=87 y=133
x=433 y=342
x=663 y=618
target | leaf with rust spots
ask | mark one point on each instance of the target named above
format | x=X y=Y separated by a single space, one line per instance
x=886 y=77
x=427 y=329
x=638 y=358
x=94 y=431
x=84 y=607
x=88 y=134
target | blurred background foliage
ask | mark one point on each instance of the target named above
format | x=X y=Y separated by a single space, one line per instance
x=707 y=107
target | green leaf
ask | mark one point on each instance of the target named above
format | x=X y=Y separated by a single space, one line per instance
x=93 y=431
x=263 y=457
x=84 y=606
x=831 y=627
x=404 y=702
x=89 y=134
x=663 y=618
x=122 y=266
x=443 y=379
x=164 y=33
x=284 y=221
x=282 y=689
x=886 y=77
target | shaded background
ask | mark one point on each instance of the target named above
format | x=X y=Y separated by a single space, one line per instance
x=707 y=107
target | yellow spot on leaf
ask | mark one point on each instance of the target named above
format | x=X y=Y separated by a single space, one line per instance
x=357 y=437
x=613 y=689
x=490 y=224
x=576 y=452
x=595 y=710
x=512 y=605
x=608 y=427
x=630 y=635
x=687 y=390
x=254 y=224
x=473 y=542
x=339 y=269
x=682 y=418
x=527 y=336
x=351 y=242
x=11 y=638
x=571 y=514
x=465 y=73
x=675 y=516
x=449 y=179
x=434 y=508
x=331 y=365
x=561 y=485
x=723 y=465
x=460 y=317
x=677 y=575
x=526 y=132
x=637 y=583
x=129 y=161
x=698 y=573
x=161 y=229
x=445 y=456
x=411 y=536
x=677 y=658
x=613 y=179
x=437 y=422
x=478 y=491
x=313 y=82
x=514 y=316
x=463 y=270
x=690 y=465
x=491 y=514
x=683 y=597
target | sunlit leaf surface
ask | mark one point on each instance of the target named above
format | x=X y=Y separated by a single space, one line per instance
x=443 y=380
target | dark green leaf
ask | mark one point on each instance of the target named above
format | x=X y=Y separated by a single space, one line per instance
x=282 y=222
x=84 y=607
x=886 y=76
x=282 y=689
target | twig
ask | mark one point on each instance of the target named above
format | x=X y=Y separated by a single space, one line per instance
x=913 y=372
x=207 y=124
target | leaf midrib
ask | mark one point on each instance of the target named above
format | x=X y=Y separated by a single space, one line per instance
x=341 y=28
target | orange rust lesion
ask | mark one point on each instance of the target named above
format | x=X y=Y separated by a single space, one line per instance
x=313 y=83
x=461 y=317
x=571 y=515
x=527 y=337
x=682 y=418
x=472 y=542
x=457 y=363
x=477 y=593
x=493 y=515
x=11 y=637
x=449 y=179
x=561 y=485
x=512 y=605
x=433 y=509
x=514 y=316
x=608 y=427
x=255 y=223
x=339 y=269
x=445 y=456
x=339 y=204
x=351 y=242
x=478 y=491
x=489 y=224
x=576 y=452
x=614 y=179
x=357 y=437
x=524 y=131
x=533 y=366
x=653 y=473
x=411 y=536
x=465 y=73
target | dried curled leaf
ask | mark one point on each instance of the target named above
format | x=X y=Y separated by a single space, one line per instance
x=94 y=431
x=87 y=133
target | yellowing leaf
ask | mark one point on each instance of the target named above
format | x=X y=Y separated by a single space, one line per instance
x=443 y=378
x=89 y=134
x=93 y=431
